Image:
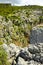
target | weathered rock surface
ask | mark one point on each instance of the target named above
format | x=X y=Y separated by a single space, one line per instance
x=12 y=50
x=36 y=35
x=31 y=55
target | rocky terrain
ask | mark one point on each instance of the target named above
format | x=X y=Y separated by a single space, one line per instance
x=31 y=55
x=15 y=27
x=21 y=36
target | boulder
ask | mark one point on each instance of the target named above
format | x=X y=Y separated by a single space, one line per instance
x=41 y=58
x=15 y=49
x=33 y=49
x=37 y=57
x=21 y=61
x=12 y=50
x=32 y=62
x=36 y=35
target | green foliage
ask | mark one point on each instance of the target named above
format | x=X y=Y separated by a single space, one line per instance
x=3 y=57
x=1 y=42
x=18 y=22
x=6 y=9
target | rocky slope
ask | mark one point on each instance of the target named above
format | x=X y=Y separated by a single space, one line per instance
x=17 y=31
x=15 y=27
x=31 y=55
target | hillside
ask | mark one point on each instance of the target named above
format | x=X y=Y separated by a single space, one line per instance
x=21 y=35
x=16 y=23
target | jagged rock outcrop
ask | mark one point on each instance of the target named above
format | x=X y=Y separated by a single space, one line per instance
x=31 y=55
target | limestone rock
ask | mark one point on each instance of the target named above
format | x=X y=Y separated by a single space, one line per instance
x=36 y=35
x=21 y=61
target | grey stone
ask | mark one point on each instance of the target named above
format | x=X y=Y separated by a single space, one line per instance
x=36 y=35
x=30 y=55
x=33 y=49
x=37 y=57
x=32 y=62
x=21 y=61
x=41 y=58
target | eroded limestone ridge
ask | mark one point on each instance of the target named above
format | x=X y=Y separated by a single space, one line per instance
x=31 y=55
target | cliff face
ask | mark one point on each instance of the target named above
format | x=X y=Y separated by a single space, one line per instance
x=36 y=35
